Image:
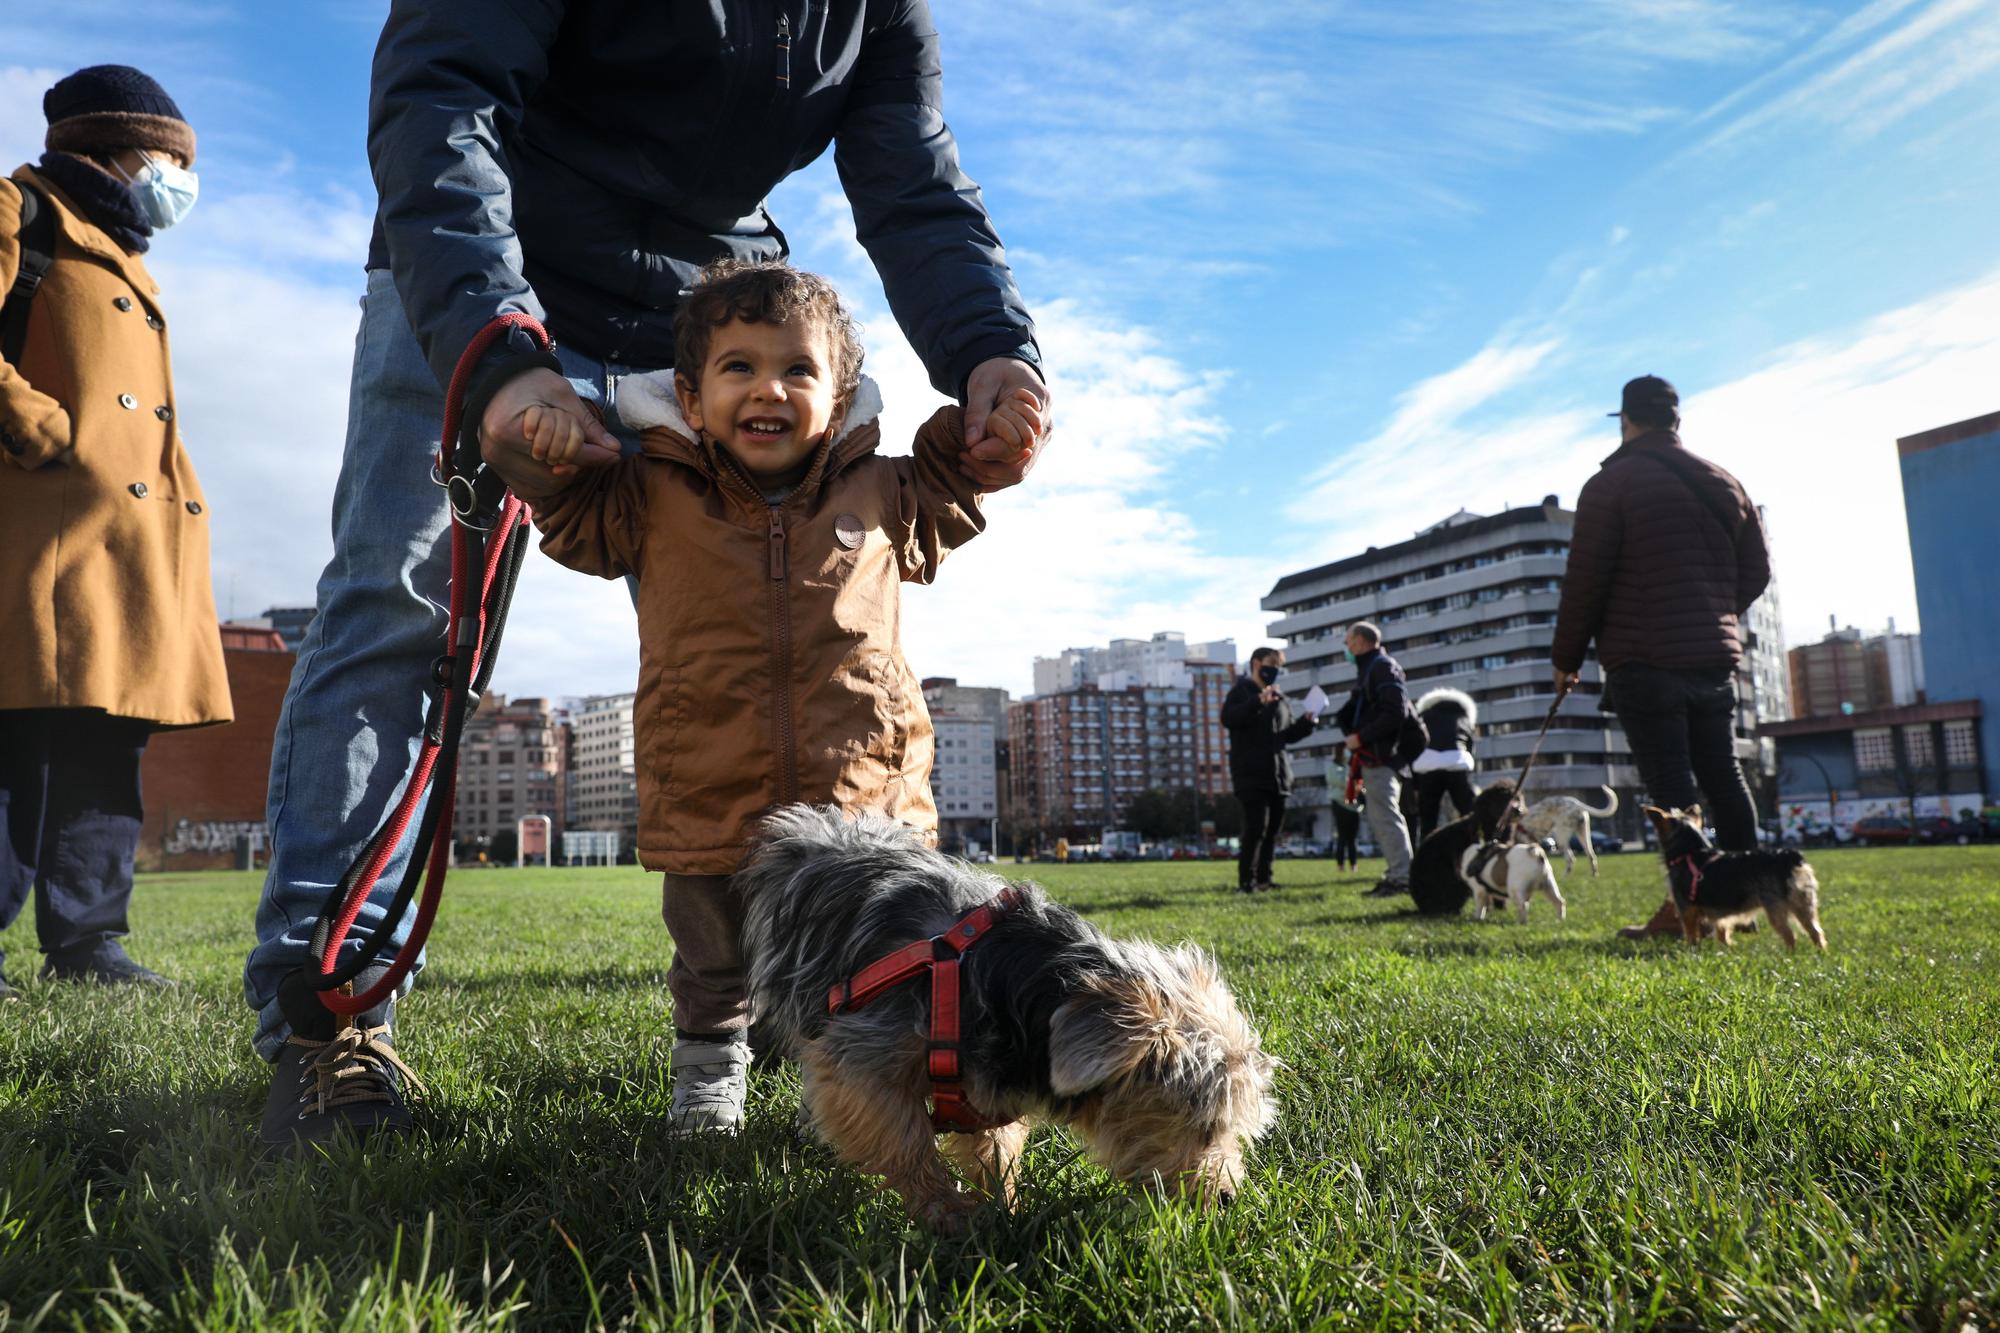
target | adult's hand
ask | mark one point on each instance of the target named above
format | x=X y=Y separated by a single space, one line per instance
x=991 y=460
x=1566 y=680
x=1353 y=741
x=538 y=415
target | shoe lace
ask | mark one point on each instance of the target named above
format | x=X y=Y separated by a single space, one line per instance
x=356 y=1067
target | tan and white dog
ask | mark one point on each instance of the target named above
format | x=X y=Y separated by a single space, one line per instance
x=1514 y=873
x=1563 y=818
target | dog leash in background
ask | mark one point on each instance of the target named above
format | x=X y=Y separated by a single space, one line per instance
x=1521 y=782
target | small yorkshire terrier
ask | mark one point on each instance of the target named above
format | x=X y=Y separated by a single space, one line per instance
x=1723 y=891
x=1140 y=1050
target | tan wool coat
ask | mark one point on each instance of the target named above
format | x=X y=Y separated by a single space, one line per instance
x=771 y=663
x=105 y=599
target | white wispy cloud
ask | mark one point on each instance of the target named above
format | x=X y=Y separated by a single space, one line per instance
x=1810 y=432
x=1875 y=69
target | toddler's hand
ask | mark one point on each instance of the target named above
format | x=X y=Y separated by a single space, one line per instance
x=556 y=438
x=1017 y=422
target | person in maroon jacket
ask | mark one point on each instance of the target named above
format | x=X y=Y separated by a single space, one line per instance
x=1667 y=554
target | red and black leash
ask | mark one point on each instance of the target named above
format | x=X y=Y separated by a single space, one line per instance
x=489 y=540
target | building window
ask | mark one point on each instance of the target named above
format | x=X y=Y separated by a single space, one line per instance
x=1917 y=747
x=1961 y=746
x=1874 y=751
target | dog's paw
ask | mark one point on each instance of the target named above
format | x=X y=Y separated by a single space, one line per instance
x=950 y=1215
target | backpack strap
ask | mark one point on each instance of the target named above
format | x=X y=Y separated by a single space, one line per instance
x=38 y=252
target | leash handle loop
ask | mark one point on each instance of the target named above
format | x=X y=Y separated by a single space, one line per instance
x=436 y=767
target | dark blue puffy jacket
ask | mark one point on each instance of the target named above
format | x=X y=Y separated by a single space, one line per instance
x=581 y=161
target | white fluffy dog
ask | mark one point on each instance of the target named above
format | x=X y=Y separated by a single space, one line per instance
x=1561 y=818
x=1500 y=875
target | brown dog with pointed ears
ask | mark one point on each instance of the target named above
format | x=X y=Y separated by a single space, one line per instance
x=1723 y=891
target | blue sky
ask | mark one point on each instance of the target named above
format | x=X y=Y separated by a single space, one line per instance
x=1310 y=278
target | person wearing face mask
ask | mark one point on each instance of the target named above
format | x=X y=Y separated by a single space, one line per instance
x=1261 y=723
x=104 y=592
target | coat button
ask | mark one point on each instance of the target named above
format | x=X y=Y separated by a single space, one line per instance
x=138 y=489
x=153 y=323
x=127 y=401
x=194 y=506
x=164 y=413
x=123 y=303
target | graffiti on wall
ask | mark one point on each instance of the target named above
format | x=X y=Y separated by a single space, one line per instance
x=213 y=835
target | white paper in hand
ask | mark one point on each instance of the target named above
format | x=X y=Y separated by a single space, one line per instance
x=1315 y=701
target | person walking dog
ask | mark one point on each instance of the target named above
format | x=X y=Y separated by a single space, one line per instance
x=110 y=630
x=1373 y=718
x=578 y=162
x=1666 y=556
x=1261 y=723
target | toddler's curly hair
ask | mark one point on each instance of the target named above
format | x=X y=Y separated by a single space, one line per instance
x=765 y=292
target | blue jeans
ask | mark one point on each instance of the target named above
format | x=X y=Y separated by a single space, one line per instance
x=353 y=716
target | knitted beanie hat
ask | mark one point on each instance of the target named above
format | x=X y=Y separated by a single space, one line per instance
x=108 y=108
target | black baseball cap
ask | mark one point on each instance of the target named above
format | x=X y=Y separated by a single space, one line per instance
x=1647 y=391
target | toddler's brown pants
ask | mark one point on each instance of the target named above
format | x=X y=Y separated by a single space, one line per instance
x=704 y=914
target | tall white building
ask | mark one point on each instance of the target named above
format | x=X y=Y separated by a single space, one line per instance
x=965 y=779
x=1123 y=663
x=1470 y=603
x=603 y=775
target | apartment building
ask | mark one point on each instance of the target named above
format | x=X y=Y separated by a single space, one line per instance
x=512 y=762
x=603 y=774
x=1470 y=603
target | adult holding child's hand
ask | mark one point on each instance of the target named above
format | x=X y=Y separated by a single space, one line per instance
x=996 y=457
x=579 y=161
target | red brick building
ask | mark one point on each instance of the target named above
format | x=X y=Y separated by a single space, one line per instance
x=204 y=788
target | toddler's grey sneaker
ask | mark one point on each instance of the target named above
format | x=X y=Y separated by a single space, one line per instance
x=711 y=1079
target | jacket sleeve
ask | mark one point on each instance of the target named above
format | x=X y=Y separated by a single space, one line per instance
x=1753 y=560
x=937 y=506
x=597 y=525
x=34 y=427
x=1387 y=707
x=1240 y=706
x=450 y=78
x=1302 y=727
x=1344 y=717
x=1593 y=557
x=920 y=218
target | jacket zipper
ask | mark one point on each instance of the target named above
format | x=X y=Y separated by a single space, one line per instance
x=781 y=634
x=784 y=51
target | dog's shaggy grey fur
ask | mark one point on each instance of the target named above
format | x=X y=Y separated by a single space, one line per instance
x=1140 y=1049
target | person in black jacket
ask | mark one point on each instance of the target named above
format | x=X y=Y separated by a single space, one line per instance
x=1373 y=717
x=1451 y=722
x=578 y=161
x=1261 y=724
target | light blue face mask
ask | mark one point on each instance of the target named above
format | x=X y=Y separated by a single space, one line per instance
x=165 y=192
x=1348 y=653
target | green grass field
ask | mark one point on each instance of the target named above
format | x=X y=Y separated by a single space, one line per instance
x=1482 y=1125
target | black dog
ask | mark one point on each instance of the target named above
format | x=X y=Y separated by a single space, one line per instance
x=1723 y=891
x=1435 y=881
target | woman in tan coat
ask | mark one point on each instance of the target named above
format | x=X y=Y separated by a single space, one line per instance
x=107 y=622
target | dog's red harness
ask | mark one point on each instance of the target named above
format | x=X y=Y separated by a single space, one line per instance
x=938 y=955
x=1694 y=875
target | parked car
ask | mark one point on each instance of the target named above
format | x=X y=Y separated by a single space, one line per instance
x=1884 y=829
x=1605 y=842
x=1943 y=828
